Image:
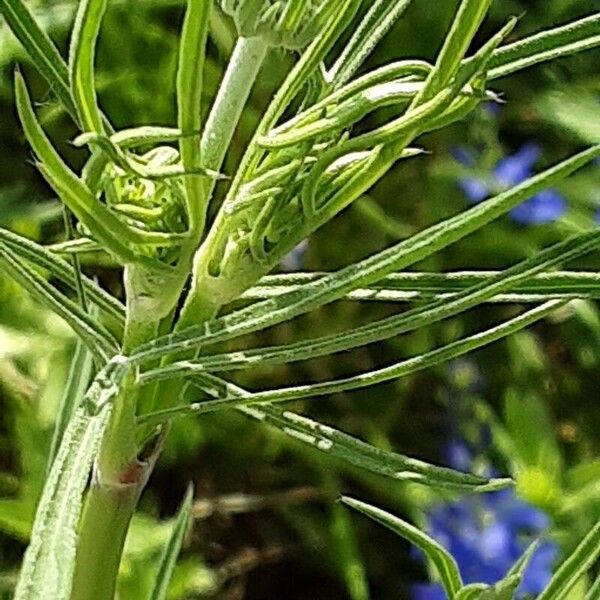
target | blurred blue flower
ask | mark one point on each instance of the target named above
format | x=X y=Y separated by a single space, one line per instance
x=487 y=534
x=544 y=207
x=294 y=260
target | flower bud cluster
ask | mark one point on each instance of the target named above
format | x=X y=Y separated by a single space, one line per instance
x=290 y=24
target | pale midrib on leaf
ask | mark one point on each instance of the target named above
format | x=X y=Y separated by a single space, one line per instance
x=362 y=380
x=335 y=286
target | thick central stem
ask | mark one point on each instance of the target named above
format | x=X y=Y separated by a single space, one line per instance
x=120 y=474
x=244 y=65
x=105 y=522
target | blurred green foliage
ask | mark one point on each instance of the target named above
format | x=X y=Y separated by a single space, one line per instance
x=266 y=524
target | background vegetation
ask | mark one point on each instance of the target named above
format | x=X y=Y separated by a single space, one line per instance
x=266 y=521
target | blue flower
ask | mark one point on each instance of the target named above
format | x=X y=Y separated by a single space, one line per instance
x=487 y=534
x=294 y=260
x=544 y=207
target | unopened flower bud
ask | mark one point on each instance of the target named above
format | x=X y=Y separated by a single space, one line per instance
x=288 y=24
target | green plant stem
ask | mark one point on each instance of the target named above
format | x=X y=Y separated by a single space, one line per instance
x=121 y=472
x=246 y=60
x=105 y=521
x=120 y=477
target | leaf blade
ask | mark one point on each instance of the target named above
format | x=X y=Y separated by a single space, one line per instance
x=81 y=62
x=397 y=324
x=336 y=285
x=80 y=372
x=582 y=558
x=173 y=547
x=40 y=256
x=49 y=560
x=573 y=37
x=445 y=564
x=99 y=341
x=189 y=96
x=41 y=50
x=402 y=368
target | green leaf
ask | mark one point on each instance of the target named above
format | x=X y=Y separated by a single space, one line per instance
x=341 y=446
x=402 y=323
x=474 y=591
x=504 y=589
x=373 y=268
x=584 y=556
x=98 y=340
x=594 y=591
x=49 y=561
x=376 y=23
x=366 y=379
x=172 y=548
x=75 y=262
x=564 y=40
x=104 y=225
x=189 y=96
x=464 y=27
x=444 y=563
x=518 y=569
x=57 y=267
x=41 y=50
x=81 y=62
x=80 y=373
x=419 y=286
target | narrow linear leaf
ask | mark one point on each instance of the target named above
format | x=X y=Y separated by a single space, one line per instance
x=342 y=446
x=521 y=565
x=131 y=165
x=81 y=245
x=396 y=324
x=504 y=589
x=41 y=50
x=40 y=256
x=473 y=591
x=375 y=24
x=554 y=43
x=75 y=262
x=189 y=95
x=98 y=340
x=551 y=282
x=109 y=230
x=468 y=18
x=78 y=380
x=171 y=551
x=49 y=561
x=366 y=379
x=349 y=449
x=395 y=296
x=444 y=563
x=594 y=591
x=584 y=556
x=81 y=62
x=335 y=286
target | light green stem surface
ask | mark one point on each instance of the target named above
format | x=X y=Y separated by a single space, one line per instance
x=244 y=65
x=120 y=479
x=104 y=526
